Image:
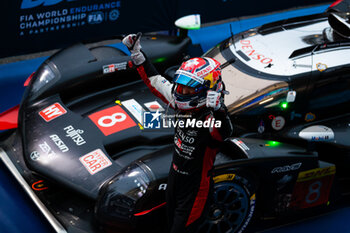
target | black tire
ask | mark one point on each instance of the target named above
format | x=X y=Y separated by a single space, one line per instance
x=232 y=205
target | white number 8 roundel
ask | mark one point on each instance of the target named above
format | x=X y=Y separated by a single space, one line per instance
x=112 y=120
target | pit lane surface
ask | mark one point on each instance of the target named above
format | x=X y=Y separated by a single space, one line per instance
x=15 y=204
x=334 y=221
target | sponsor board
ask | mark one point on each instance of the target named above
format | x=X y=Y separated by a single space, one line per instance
x=112 y=120
x=36 y=19
x=52 y=112
x=26 y=4
x=95 y=161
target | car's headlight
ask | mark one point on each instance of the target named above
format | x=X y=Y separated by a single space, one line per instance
x=118 y=198
x=44 y=76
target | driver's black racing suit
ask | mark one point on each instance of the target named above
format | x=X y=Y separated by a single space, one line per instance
x=189 y=180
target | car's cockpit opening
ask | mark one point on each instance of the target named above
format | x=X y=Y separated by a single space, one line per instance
x=339 y=29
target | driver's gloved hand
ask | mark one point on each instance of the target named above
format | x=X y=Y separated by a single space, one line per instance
x=213 y=100
x=133 y=43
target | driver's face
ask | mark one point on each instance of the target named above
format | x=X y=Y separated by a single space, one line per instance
x=186 y=90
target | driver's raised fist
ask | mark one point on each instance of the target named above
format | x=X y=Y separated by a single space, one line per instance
x=132 y=41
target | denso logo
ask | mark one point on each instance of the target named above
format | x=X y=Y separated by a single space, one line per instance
x=26 y=4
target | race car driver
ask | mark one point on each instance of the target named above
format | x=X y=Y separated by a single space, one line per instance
x=197 y=93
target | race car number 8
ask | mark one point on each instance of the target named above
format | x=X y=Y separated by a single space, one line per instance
x=109 y=121
x=314 y=192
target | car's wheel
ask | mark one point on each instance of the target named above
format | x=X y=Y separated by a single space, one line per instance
x=232 y=205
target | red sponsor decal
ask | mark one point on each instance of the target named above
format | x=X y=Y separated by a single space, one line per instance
x=39 y=186
x=178 y=143
x=250 y=51
x=174 y=166
x=52 y=112
x=312 y=188
x=111 y=68
x=150 y=210
x=112 y=120
x=26 y=83
x=8 y=119
x=335 y=3
x=154 y=107
x=204 y=71
x=95 y=161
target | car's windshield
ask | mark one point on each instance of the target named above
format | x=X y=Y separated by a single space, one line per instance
x=241 y=85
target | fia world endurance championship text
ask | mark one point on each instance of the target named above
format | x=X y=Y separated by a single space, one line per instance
x=55 y=20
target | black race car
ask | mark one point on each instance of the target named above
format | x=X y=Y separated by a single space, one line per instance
x=82 y=152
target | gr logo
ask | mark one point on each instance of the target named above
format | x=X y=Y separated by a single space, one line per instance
x=26 y=4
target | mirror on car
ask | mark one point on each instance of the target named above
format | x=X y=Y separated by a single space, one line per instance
x=189 y=22
x=317 y=133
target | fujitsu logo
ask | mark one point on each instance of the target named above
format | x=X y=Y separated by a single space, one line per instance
x=26 y=4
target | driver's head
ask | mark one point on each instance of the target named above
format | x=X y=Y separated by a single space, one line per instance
x=192 y=81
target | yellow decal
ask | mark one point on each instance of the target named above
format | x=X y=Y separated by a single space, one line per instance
x=210 y=78
x=224 y=177
x=321 y=67
x=118 y=102
x=252 y=197
x=315 y=173
x=310 y=117
x=141 y=127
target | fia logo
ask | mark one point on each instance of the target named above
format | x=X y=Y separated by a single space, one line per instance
x=151 y=120
x=95 y=18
